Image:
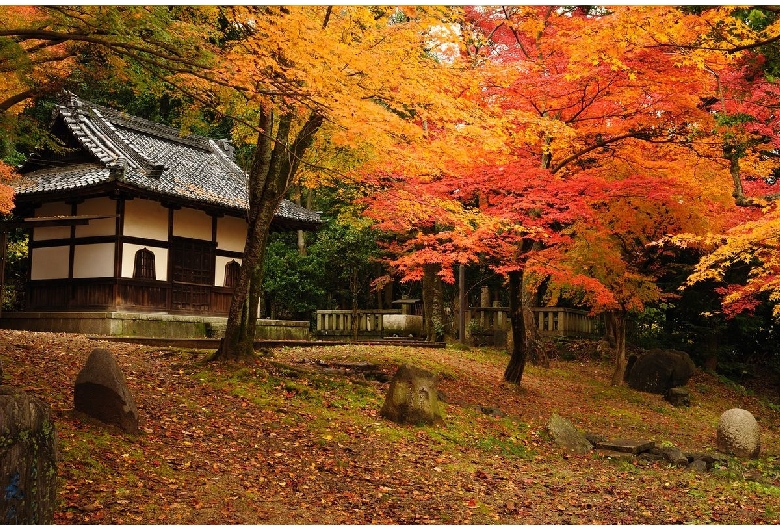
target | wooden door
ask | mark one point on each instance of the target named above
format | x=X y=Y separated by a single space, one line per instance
x=192 y=274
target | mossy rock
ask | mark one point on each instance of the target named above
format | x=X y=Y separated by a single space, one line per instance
x=28 y=459
x=413 y=398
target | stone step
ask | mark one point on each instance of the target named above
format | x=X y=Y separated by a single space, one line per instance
x=614 y=455
x=633 y=447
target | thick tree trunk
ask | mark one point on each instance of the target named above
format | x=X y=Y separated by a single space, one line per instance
x=273 y=168
x=609 y=330
x=514 y=371
x=538 y=355
x=617 y=324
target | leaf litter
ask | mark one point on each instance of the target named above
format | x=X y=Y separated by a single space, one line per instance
x=280 y=441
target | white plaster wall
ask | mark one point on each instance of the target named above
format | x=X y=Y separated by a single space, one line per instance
x=97 y=227
x=147 y=219
x=231 y=233
x=160 y=261
x=52 y=209
x=219 y=269
x=94 y=261
x=191 y=223
x=49 y=263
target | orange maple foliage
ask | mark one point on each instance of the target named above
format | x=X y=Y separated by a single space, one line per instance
x=606 y=140
x=7 y=174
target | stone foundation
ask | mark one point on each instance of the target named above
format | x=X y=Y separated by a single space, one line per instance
x=155 y=325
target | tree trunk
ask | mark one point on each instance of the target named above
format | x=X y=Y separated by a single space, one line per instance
x=514 y=371
x=438 y=309
x=432 y=301
x=618 y=325
x=533 y=346
x=274 y=165
x=733 y=155
x=609 y=330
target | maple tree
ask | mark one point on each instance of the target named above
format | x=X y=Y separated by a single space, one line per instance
x=611 y=264
x=584 y=102
x=356 y=73
x=740 y=259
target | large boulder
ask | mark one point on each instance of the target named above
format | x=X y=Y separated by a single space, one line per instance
x=567 y=436
x=738 y=434
x=413 y=398
x=656 y=371
x=28 y=459
x=101 y=392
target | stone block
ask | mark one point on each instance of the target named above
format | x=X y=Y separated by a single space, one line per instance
x=101 y=392
x=633 y=447
x=402 y=325
x=567 y=436
x=678 y=396
x=412 y=398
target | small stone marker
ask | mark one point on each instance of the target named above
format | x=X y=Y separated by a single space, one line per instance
x=738 y=434
x=413 y=398
x=616 y=455
x=567 y=436
x=678 y=396
x=101 y=392
x=28 y=459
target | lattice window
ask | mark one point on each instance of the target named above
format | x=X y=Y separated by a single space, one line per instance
x=144 y=265
x=232 y=270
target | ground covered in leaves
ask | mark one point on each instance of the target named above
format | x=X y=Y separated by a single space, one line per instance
x=296 y=438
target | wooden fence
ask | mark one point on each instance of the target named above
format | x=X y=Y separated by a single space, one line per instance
x=338 y=322
x=550 y=321
x=488 y=321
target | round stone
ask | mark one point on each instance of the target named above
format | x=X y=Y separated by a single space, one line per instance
x=738 y=434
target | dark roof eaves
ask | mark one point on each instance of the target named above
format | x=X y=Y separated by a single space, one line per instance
x=110 y=185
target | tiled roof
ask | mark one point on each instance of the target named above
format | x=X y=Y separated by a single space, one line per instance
x=150 y=157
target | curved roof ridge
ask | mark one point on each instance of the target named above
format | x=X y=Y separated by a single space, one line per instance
x=150 y=127
x=126 y=148
x=91 y=140
x=224 y=159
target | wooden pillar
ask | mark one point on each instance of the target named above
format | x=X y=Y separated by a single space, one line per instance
x=169 y=293
x=119 y=247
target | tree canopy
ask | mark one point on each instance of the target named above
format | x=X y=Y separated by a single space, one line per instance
x=580 y=147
